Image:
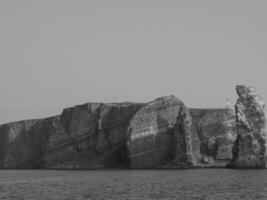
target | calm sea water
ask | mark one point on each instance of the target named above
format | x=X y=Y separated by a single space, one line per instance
x=134 y=184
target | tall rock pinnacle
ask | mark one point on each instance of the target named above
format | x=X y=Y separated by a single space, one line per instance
x=249 y=150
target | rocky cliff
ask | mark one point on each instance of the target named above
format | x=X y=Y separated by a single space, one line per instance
x=162 y=133
x=216 y=130
x=250 y=146
x=89 y=136
x=19 y=146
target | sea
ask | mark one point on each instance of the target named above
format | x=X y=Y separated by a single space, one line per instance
x=196 y=184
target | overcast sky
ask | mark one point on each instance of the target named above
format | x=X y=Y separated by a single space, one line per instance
x=56 y=54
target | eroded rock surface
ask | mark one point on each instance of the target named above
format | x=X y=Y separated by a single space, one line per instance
x=250 y=146
x=18 y=145
x=217 y=133
x=97 y=136
x=88 y=136
x=161 y=135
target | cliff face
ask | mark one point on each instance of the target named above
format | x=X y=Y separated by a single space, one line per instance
x=250 y=146
x=163 y=133
x=86 y=136
x=18 y=145
x=186 y=141
x=93 y=136
x=216 y=130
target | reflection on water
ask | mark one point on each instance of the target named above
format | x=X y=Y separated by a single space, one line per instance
x=134 y=184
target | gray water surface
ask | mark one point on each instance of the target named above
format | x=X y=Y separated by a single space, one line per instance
x=134 y=184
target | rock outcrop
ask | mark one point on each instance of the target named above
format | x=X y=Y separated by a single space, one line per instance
x=161 y=134
x=97 y=136
x=249 y=150
x=88 y=136
x=217 y=132
x=19 y=146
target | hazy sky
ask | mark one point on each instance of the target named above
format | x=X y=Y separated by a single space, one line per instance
x=55 y=54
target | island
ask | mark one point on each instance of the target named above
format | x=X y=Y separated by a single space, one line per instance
x=161 y=134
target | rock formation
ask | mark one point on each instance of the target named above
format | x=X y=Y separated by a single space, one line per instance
x=186 y=141
x=18 y=145
x=160 y=132
x=87 y=136
x=96 y=134
x=163 y=133
x=217 y=132
x=249 y=150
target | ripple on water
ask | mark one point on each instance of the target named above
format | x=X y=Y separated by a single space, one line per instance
x=134 y=184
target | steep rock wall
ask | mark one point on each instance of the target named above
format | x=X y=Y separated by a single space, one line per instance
x=250 y=146
x=163 y=133
x=87 y=136
x=97 y=136
x=19 y=146
x=216 y=130
x=160 y=135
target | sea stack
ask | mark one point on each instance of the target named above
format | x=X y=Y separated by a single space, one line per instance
x=249 y=150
